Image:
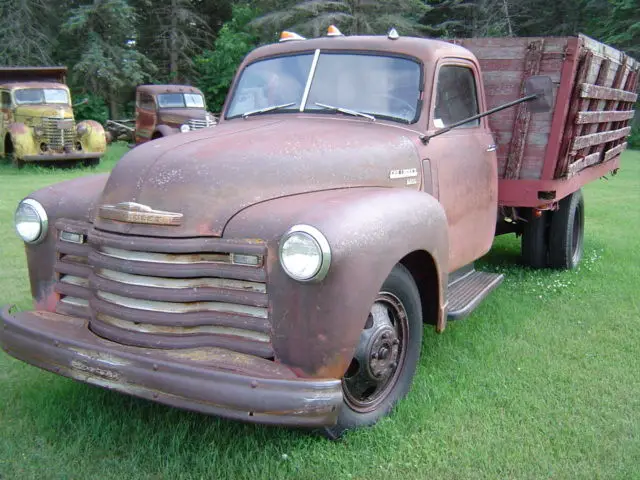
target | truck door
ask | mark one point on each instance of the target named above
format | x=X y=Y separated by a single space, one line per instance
x=465 y=162
x=145 y=117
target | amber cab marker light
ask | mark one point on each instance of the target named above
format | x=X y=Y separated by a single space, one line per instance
x=286 y=36
x=333 y=31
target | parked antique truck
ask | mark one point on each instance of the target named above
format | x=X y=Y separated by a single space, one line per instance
x=163 y=110
x=280 y=267
x=37 y=124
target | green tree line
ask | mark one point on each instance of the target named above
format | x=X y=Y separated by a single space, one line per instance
x=111 y=46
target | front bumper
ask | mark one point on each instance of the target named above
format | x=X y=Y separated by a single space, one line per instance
x=62 y=156
x=208 y=380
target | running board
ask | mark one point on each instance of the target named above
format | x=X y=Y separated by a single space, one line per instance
x=466 y=291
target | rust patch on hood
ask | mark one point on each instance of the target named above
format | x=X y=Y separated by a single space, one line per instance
x=212 y=174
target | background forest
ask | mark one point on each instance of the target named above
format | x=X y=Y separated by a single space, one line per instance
x=110 y=46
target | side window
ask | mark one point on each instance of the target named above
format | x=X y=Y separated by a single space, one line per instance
x=145 y=101
x=6 y=100
x=456 y=97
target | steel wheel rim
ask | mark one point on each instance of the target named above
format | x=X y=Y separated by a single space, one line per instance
x=379 y=356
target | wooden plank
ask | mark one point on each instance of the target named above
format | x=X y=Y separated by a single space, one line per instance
x=615 y=151
x=523 y=116
x=583 y=163
x=606 y=116
x=600 y=137
x=588 y=90
x=588 y=128
x=566 y=155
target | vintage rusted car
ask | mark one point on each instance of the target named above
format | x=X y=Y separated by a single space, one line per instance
x=163 y=110
x=37 y=123
x=280 y=267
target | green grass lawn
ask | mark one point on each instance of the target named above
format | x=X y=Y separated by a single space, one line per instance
x=542 y=381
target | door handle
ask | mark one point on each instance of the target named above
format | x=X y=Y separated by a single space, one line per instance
x=492 y=148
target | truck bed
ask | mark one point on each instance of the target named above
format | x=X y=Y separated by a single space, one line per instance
x=544 y=157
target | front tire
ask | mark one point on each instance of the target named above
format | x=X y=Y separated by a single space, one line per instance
x=386 y=357
x=566 y=234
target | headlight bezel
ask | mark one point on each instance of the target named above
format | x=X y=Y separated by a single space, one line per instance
x=323 y=246
x=42 y=216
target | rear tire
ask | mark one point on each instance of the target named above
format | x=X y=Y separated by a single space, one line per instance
x=535 y=245
x=385 y=360
x=566 y=234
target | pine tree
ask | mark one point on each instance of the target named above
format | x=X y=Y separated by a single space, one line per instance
x=108 y=60
x=25 y=32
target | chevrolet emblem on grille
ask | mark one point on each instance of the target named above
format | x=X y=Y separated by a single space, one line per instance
x=132 y=212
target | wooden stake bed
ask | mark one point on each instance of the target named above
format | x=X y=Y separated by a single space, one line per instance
x=546 y=156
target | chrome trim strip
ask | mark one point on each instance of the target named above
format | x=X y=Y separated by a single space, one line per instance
x=176 y=330
x=173 y=307
x=73 y=280
x=79 y=302
x=175 y=258
x=312 y=72
x=181 y=283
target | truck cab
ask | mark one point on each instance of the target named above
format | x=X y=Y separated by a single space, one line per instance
x=37 y=122
x=163 y=110
x=280 y=268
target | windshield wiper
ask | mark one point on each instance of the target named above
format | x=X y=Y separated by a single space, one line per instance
x=347 y=111
x=267 y=109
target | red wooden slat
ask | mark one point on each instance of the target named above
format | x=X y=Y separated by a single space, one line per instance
x=600 y=137
x=605 y=116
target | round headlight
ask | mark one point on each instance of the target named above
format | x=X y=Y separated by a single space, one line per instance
x=305 y=254
x=31 y=221
x=185 y=128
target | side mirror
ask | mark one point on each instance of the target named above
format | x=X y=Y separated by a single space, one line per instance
x=542 y=87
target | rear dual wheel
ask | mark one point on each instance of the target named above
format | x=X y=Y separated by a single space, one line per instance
x=555 y=238
x=386 y=357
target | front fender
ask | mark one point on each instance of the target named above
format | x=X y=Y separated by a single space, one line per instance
x=22 y=140
x=95 y=139
x=166 y=130
x=73 y=200
x=316 y=326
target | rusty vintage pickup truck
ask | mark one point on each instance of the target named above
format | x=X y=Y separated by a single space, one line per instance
x=37 y=123
x=280 y=267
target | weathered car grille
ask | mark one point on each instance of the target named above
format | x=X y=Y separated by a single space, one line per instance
x=72 y=270
x=168 y=293
x=196 y=124
x=58 y=132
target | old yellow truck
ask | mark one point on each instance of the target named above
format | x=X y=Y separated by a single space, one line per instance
x=37 y=123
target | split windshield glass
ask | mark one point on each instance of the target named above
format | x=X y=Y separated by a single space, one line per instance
x=34 y=96
x=180 y=100
x=383 y=86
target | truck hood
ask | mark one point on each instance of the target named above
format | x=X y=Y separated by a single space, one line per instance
x=178 y=116
x=210 y=175
x=39 y=111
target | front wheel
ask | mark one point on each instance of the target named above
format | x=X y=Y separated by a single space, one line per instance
x=386 y=357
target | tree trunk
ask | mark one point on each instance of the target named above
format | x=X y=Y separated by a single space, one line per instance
x=507 y=17
x=173 y=43
x=113 y=105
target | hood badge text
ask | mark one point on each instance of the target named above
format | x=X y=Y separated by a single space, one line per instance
x=410 y=174
x=131 y=212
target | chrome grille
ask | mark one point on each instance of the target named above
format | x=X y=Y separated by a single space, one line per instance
x=175 y=293
x=72 y=271
x=197 y=123
x=59 y=133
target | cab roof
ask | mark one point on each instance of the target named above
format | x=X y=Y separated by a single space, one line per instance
x=425 y=49
x=156 y=89
x=16 y=85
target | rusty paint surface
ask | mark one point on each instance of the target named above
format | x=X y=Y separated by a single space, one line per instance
x=201 y=314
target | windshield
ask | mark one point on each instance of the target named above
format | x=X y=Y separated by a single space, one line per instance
x=31 y=96
x=180 y=100
x=378 y=85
